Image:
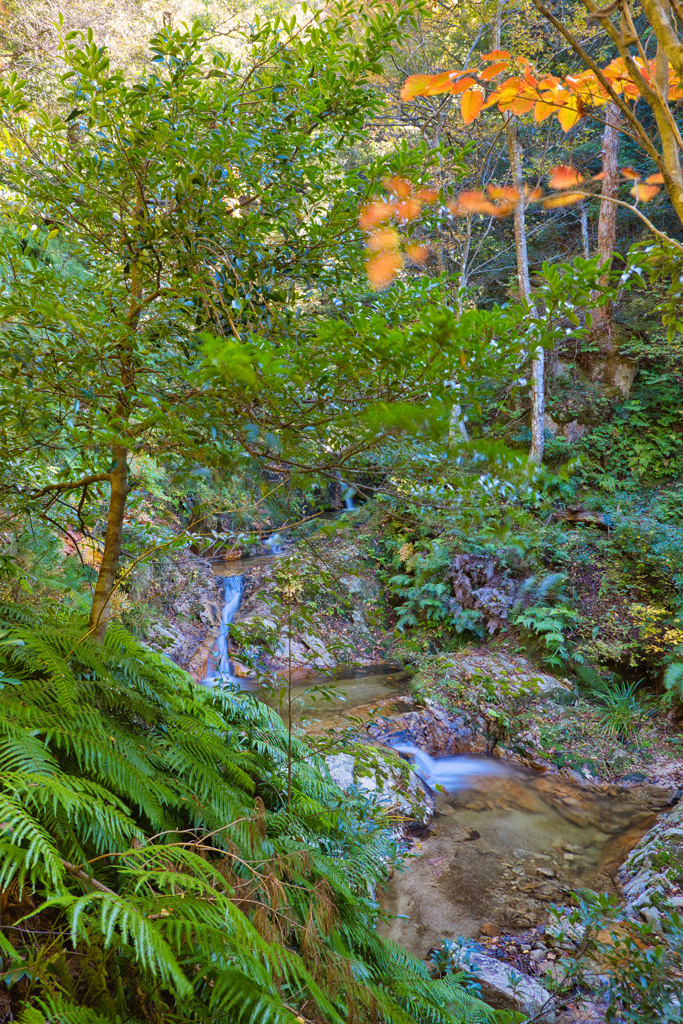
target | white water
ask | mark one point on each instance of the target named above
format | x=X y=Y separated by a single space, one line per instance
x=220 y=668
x=451 y=773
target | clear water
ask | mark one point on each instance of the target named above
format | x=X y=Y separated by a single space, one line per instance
x=504 y=845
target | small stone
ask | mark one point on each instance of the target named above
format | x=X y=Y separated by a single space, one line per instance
x=546 y=872
x=568 y=856
x=489 y=929
x=537 y=955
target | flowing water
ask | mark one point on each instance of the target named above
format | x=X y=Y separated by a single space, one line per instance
x=219 y=666
x=505 y=844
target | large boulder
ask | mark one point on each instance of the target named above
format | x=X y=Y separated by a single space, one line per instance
x=392 y=784
x=503 y=987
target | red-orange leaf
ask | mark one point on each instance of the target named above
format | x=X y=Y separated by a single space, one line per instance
x=492 y=70
x=564 y=176
x=565 y=200
x=599 y=177
x=375 y=213
x=628 y=172
x=644 y=192
x=463 y=84
x=383 y=268
x=510 y=195
x=542 y=109
x=655 y=179
x=535 y=195
x=470 y=104
x=496 y=55
x=521 y=105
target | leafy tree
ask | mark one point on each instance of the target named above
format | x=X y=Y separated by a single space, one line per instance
x=201 y=202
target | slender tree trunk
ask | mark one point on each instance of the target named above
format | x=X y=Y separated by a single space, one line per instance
x=101 y=610
x=523 y=281
x=603 y=328
x=585 y=241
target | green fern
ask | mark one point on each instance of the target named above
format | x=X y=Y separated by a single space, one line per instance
x=147 y=821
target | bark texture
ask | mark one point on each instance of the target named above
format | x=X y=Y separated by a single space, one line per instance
x=603 y=328
x=100 y=611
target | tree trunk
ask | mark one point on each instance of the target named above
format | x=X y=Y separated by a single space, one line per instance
x=603 y=328
x=524 y=283
x=521 y=251
x=585 y=241
x=100 y=611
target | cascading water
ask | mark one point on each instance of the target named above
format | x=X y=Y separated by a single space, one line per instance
x=273 y=544
x=450 y=773
x=219 y=667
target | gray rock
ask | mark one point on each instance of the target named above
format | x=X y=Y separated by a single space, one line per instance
x=415 y=801
x=504 y=988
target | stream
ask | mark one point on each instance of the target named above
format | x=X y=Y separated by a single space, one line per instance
x=505 y=843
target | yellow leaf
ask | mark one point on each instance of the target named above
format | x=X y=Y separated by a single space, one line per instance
x=569 y=115
x=384 y=238
x=564 y=176
x=644 y=192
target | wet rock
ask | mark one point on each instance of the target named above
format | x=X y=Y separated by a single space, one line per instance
x=504 y=988
x=413 y=799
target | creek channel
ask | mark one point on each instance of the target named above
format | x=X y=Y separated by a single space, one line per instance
x=505 y=841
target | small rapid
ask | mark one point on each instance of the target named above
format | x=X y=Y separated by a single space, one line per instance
x=450 y=773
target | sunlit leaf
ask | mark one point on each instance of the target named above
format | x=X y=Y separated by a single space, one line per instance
x=521 y=105
x=655 y=179
x=569 y=115
x=564 y=176
x=496 y=55
x=427 y=195
x=472 y=202
x=599 y=177
x=565 y=200
x=644 y=192
x=418 y=253
x=492 y=70
x=535 y=195
x=543 y=109
x=375 y=213
x=510 y=195
x=414 y=86
x=409 y=209
x=384 y=238
x=470 y=104
x=628 y=172
x=399 y=186
x=383 y=268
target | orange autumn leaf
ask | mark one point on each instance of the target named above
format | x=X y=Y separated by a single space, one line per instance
x=521 y=105
x=470 y=104
x=655 y=179
x=384 y=238
x=439 y=83
x=383 y=268
x=535 y=195
x=375 y=213
x=418 y=253
x=464 y=83
x=427 y=195
x=628 y=172
x=644 y=192
x=399 y=186
x=472 y=202
x=496 y=55
x=565 y=200
x=409 y=209
x=414 y=86
x=492 y=70
x=510 y=195
x=564 y=176
x=543 y=109
x=599 y=177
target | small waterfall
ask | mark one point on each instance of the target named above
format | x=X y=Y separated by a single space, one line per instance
x=219 y=667
x=348 y=501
